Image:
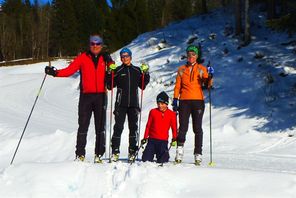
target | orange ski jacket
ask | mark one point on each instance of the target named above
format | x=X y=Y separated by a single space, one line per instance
x=189 y=81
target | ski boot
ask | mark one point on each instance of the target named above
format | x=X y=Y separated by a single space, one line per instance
x=179 y=155
x=197 y=159
x=79 y=158
x=115 y=157
x=132 y=154
x=131 y=158
x=98 y=159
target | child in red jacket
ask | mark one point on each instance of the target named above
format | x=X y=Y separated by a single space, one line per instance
x=160 y=120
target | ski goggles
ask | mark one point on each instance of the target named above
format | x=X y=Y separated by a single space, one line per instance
x=95 y=44
x=125 y=56
x=191 y=54
x=95 y=39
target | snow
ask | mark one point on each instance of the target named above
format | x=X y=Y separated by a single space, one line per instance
x=253 y=123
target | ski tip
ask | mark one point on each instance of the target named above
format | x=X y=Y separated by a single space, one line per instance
x=212 y=164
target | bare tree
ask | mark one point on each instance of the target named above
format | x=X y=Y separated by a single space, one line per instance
x=238 y=17
x=247 y=38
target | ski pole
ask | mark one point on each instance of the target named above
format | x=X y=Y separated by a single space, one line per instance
x=137 y=152
x=29 y=117
x=211 y=145
x=141 y=105
x=105 y=127
x=211 y=163
x=111 y=111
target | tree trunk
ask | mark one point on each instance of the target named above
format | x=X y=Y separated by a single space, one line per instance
x=165 y=12
x=47 y=37
x=238 y=17
x=247 y=38
x=271 y=9
x=284 y=7
x=204 y=7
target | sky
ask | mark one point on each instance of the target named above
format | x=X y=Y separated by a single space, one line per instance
x=109 y=2
x=40 y=1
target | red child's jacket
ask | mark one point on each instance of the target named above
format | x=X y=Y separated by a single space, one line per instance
x=159 y=123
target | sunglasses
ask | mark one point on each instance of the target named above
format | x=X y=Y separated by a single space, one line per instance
x=125 y=56
x=94 y=43
x=191 y=54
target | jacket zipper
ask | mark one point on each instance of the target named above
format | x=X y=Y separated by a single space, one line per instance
x=129 y=87
x=191 y=71
x=96 y=76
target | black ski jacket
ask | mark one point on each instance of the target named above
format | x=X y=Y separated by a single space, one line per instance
x=127 y=79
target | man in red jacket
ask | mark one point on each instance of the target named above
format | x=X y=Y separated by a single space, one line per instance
x=160 y=121
x=92 y=66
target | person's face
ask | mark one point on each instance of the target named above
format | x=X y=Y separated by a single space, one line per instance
x=95 y=48
x=126 y=58
x=191 y=57
x=162 y=106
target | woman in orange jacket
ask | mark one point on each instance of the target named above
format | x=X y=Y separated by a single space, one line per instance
x=188 y=93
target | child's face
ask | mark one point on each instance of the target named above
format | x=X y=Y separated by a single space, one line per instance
x=162 y=106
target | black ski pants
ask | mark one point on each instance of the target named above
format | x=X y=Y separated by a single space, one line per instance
x=120 y=114
x=195 y=108
x=88 y=104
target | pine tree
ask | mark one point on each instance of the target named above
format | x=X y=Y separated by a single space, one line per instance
x=88 y=21
x=64 y=29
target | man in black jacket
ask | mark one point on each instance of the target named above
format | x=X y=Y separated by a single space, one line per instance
x=127 y=78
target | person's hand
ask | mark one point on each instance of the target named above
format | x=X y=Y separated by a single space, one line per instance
x=143 y=141
x=174 y=142
x=112 y=67
x=144 y=68
x=175 y=104
x=50 y=70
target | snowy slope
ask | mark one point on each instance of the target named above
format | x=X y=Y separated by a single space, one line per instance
x=253 y=122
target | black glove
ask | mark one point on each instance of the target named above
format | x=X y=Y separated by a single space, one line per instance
x=50 y=70
x=208 y=83
x=175 y=104
x=143 y=141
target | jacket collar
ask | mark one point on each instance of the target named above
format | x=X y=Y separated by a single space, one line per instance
x=189 y=65
x=124 y=65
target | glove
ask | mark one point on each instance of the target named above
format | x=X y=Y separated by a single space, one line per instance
x=211 y=71
x=143 y=141
x=50 y=70
x=175 y=104
x=208 y=83
x=144 y=68
x=112 y=67
x=174 y=142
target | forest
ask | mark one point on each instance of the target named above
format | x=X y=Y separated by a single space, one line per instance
x=62 y=28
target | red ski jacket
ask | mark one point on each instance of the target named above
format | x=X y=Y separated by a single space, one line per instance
x=92 y=76
x=159 y=123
